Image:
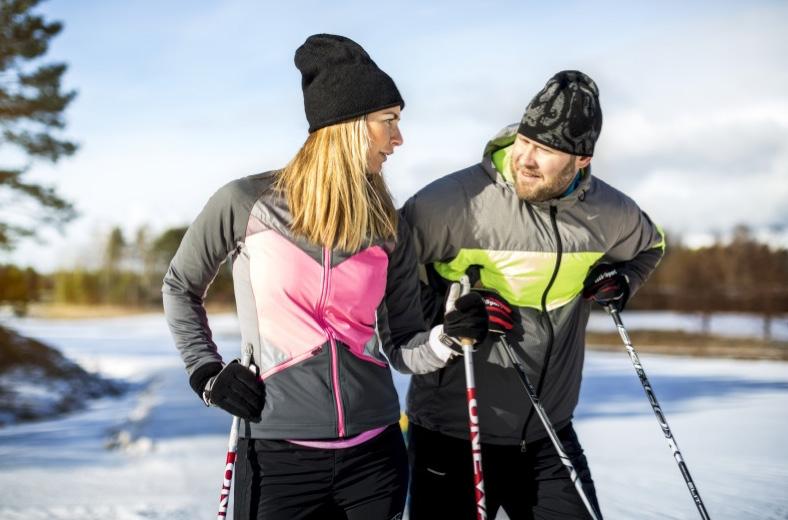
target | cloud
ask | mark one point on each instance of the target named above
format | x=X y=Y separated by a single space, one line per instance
x=696 y=124
x=705 y=145
x=704 y=171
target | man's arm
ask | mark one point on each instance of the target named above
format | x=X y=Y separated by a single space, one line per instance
x=639 y=249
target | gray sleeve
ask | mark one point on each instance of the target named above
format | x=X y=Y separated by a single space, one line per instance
x=212 y=237
x=404 y=334
x=639 y=248
x=437 y=216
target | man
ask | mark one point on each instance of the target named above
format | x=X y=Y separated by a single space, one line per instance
x=548 y=239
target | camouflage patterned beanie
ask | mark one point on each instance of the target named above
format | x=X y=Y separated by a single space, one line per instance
x=565 y=114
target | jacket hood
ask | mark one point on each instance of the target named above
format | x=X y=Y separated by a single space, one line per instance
x=502 y=139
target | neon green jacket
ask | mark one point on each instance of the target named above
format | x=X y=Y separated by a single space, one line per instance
x=536 y=255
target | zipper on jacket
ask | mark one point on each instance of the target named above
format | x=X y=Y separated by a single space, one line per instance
x=546 y=317
x=334 y=368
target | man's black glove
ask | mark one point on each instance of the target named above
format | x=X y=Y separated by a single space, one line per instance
x=607 y=285
x=234 y=389
x=467 y=317
x=498 y=310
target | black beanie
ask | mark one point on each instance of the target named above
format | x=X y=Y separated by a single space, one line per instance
x=340 y=81
x=565 y=114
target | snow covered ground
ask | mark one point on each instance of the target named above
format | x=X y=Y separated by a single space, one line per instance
x=721 y=324
x=729 y=418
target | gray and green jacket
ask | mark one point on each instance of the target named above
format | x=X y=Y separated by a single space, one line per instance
x=323 y=324
x=536 y=255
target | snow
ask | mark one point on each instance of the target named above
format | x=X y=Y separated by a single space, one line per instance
x=156 y=452
x=731 y=324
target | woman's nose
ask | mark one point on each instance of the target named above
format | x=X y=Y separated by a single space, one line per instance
x=396 y=137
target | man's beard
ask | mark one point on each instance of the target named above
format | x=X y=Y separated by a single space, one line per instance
x=544 y=189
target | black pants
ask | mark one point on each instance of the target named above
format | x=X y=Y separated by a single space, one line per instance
x=279 y=480
x=528 y=485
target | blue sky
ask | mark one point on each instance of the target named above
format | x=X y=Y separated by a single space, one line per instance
x=177 y=98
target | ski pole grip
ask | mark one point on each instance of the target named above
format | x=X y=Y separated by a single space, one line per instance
x=246 y=355
x=465 y=288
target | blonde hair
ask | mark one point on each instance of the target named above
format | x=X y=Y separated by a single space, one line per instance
x=333 y=200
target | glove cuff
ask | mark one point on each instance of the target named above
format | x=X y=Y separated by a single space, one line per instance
x=202 y=375
x=442 y=347
x=443 y=352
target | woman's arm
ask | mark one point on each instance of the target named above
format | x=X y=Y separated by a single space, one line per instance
x=213 y=236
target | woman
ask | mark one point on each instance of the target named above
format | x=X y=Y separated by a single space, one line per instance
x=313 y=248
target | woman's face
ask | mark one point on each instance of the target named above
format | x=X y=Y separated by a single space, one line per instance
x=384 y=135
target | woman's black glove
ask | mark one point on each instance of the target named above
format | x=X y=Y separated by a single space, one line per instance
x=467 y=318
x=235 y=389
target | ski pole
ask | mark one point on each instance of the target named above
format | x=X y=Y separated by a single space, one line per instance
x=663 y=422
x=232 y=446
x=473 y=416
x=548 y=426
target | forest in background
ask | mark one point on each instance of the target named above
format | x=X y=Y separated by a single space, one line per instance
x=739 y=275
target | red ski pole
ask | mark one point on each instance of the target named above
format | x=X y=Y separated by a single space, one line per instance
x=232 y=446
x=473 y=416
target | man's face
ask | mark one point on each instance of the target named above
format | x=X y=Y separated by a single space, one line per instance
x=541 y=173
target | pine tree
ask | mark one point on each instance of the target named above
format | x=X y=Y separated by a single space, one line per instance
x=32 y=103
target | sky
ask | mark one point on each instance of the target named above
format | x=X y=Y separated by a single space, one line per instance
x=177 y=98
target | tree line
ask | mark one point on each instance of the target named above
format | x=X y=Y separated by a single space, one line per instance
x=742 y=275
x=129 y=274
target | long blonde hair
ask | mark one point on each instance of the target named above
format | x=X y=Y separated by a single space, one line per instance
x=333 y=200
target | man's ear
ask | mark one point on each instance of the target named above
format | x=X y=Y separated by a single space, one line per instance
x=582 y=161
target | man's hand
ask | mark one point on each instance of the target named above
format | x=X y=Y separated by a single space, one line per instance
x=498 y=310
x=236 y=389
x=607 y=285
x=466 y=316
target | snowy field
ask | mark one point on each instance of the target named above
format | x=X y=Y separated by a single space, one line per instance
x=729 y=417
x=736 y=325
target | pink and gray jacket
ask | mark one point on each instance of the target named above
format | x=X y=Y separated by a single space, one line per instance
x=323 y=324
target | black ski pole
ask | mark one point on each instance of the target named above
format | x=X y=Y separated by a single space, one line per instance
x=548 y=426
x=663 y=422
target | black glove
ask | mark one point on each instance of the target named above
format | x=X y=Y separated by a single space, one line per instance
x=498 y=310
x=468 y=318
x=236 y=389
x=607 y=285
